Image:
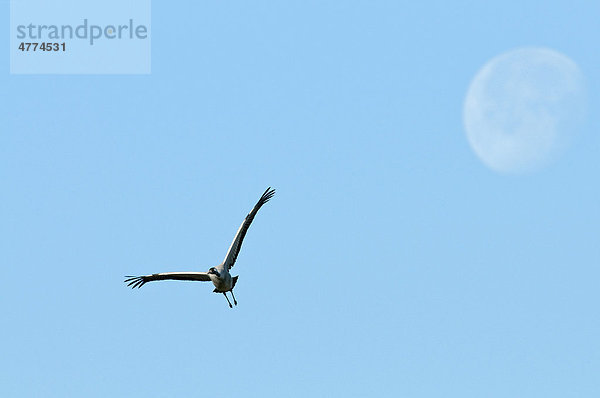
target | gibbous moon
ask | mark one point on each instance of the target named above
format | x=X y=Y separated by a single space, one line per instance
x=522 y=108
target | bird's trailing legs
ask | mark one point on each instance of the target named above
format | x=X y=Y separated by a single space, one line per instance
x=230 y=306
x=234 y=301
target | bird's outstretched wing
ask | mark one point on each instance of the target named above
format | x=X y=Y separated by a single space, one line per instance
x=236 y=245
x=139 y=281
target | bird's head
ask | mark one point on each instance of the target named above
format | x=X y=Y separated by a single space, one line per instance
x=213 y=271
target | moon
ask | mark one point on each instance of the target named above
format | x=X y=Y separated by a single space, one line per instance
x=523 y=108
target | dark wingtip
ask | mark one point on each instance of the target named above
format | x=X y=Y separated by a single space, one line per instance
x=267 y=195
x=135 y=281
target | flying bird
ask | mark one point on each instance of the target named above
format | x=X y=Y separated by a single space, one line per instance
x=219 y=275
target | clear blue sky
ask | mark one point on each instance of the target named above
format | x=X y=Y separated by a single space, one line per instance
x=391 y=262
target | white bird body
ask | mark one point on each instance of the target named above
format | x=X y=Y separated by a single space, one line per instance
x=224 y=282
x=219 y=275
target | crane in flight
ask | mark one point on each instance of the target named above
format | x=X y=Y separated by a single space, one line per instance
x=219 y=275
